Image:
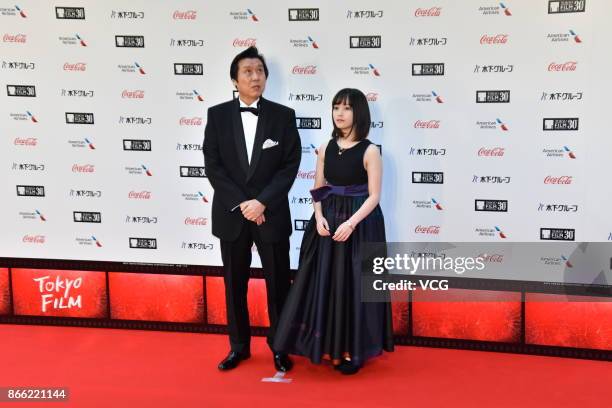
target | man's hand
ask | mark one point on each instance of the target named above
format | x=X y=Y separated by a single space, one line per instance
x=260 y=220
x=252 y=209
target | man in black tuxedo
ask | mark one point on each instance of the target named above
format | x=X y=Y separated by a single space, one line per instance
x=252 y=153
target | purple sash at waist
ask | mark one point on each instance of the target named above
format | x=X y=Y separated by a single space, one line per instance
x=355 y=190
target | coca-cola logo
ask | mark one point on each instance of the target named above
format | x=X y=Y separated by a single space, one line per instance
x=244 y=42
x=17 y=38
x=30 y=141
x=497 y=258
x=558 y=180
x=185 y=15
x=372 y=96
x=306 y=175
x=139 y=195
x=135 y=94
x=304 y=70
x=195 y=121
x=431 y=230
x=430 y=12
x=34 y=239
x=492 y=152
x=566 y=66
x=430 y=124
x=77 y=66
x=196 y=221
x=83 y=168
x=494 y=39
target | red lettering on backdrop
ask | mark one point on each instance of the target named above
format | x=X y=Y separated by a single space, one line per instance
x=60 y=293
x=432 y=229
x=493 y=152
x=135 y=94
x=185 y=15
x=566 y=66
x=431 y=124
x=494 y=39
x=430 y=12
x=306 y=175
x=17 y=38
x=33 y=239
x=195 y=121
x=246 y=42
x=139 y=195
x=558 y=180
x=196 y=221
x=77 y=66
x=305 y=70
x=83 y=168
x=30 y=141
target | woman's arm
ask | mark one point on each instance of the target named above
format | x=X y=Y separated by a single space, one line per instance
x=322 y=225
x=319 y=176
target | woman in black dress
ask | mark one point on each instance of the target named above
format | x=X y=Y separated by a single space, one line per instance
x=324 y=315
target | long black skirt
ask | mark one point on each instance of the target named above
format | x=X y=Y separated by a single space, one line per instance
x=324 y=315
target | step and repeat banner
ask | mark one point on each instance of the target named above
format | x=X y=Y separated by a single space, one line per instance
x=490 y=117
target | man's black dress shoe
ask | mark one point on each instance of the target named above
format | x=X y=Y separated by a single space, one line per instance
x=232 y=360
x=282 y=362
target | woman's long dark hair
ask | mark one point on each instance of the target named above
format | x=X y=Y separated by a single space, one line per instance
x=361 y=113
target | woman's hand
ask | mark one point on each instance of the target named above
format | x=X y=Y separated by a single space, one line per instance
x=322 y=227
x=343 y=232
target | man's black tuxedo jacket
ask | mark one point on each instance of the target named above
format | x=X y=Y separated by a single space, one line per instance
x=269 y=176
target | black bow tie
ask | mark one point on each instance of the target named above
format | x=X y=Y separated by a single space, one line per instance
x=254 y=111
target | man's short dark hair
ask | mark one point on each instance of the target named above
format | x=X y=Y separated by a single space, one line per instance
x=361 y=112
x=251 y=52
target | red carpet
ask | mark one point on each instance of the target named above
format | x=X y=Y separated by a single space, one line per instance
x=125 y=368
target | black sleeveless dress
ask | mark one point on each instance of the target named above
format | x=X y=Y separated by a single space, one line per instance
x=324 y=315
